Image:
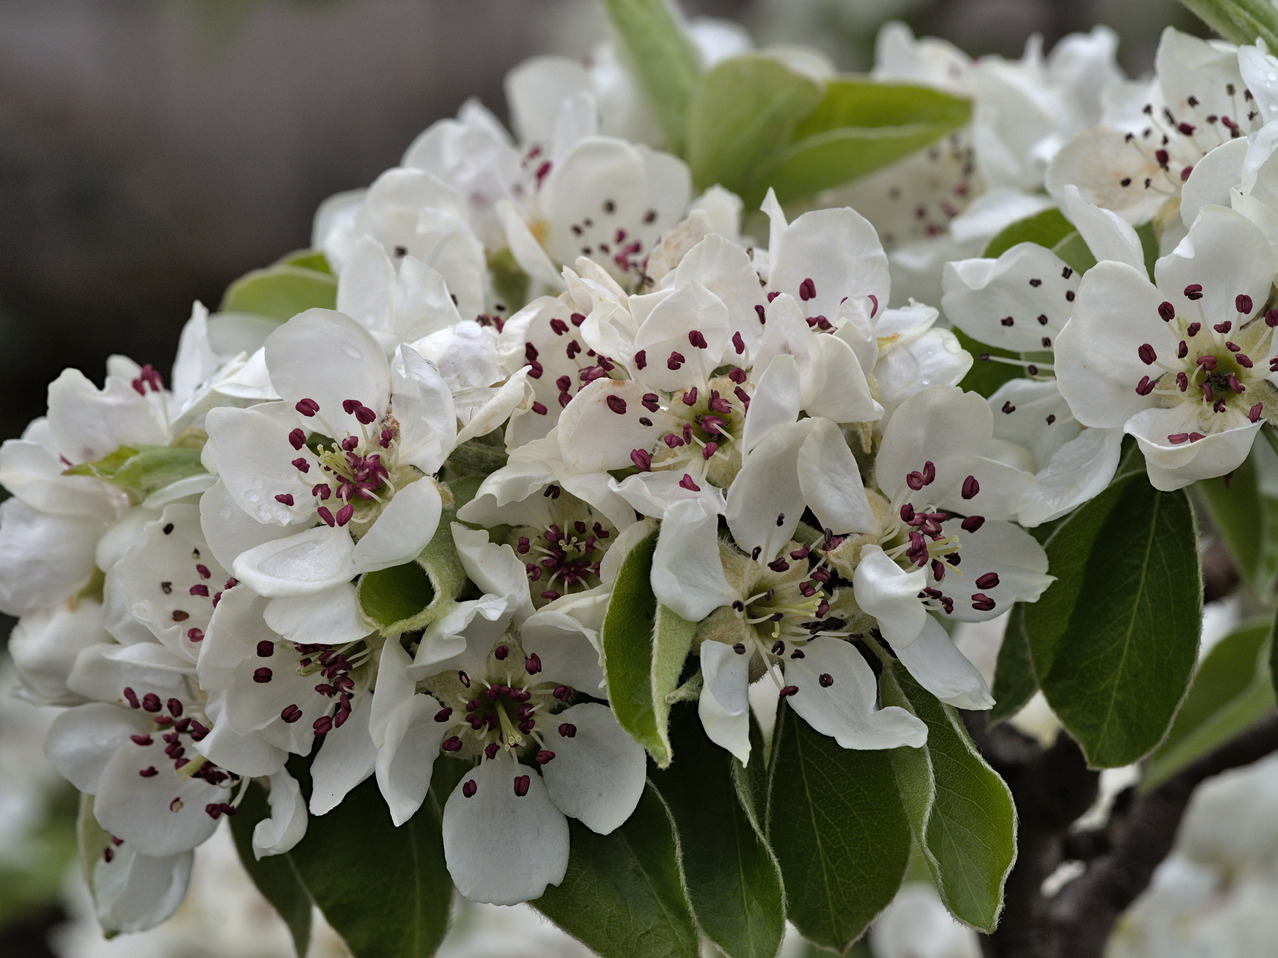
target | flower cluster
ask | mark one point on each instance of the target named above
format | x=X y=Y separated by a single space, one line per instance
x=385 y=533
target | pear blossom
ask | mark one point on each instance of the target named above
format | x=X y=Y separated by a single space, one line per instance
x=332 y=481
x=1182 y=364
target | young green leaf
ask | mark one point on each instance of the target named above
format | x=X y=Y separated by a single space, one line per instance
x=1014 y=679
x=393 y=904
x=1245 y=515
x=730 y=874
x=622 y=895
x=839 y=830
x=961 y=812
x=662 y=56
x=411 y=596
x=280 y=292
x=1230 y=692
x=1115 y=638
x=742 y=113
x=644 y=648
x=273 y=875
x=860 y=126
x=1046 y=228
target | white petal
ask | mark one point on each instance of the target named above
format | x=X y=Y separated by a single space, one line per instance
x=161 y=814
x=1227 y=255
x=502 y=847
x=598 y=774
x=687 y=575
x=346 y=757
x=724 y=706
x=402 y=530
x=944 y=671
x=330 y=617
x=891 y=595
x=82 y=740
x=301 y=564
x=287 y=824
x=765 y=501
x=407 y=756
x=836 y=696
x=831 y=481
x=134 y=892
x=1106 y=233
x=328 y=357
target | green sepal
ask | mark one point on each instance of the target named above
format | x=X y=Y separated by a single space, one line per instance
x=960 y=810
x=622 y=895
x=1114 y=639
x=274 y=875
x=860 y=126
x=839 y=831
x=409 y=597
x=1231 y=691
x=742 y=113
x=143 y=470
x=280 y=292
x=730 y=874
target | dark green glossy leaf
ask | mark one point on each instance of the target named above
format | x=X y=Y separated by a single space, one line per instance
x=391 y=904
x=273 y=875
x=731 y=877
x=960 y=811
x=742 y=113
x=1114 y=639
x=859 y=126
x=280 y=292
x=622 y=895
x=1014 y=679
x=840 y=833
x=1230 y=692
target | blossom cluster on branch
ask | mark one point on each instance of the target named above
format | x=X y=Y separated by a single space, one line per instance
x=556 y=430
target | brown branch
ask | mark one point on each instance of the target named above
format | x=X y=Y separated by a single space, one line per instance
x=1079 y=919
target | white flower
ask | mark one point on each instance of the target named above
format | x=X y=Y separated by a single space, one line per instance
x=1184 y=364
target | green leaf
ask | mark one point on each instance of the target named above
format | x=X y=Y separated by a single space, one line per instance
x=730 y=875
x=143 y=470
x=1046 y=228
x=1014 y=679
x=960 y=811
x=391 y=904
x=742 y=113
x=1246 y=516
x=622 y=895
x=1238 y=21
x=839 y=831
x=280 y=292
x=273 y=875
x=644 y=648
x=1230 y=692
x=1114 y=639
x=312 y=259
x=859 y=126
x=409 y=597
x=662 y=56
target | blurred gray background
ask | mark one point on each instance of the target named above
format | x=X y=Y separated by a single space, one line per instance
x=153 y=150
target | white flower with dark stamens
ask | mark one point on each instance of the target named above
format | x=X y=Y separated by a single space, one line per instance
x=1187 y=364
x=943 y=547
x=1020 y=302
x=765 y=599
x=291 y=695
x=501 y=703
x=333 y=481
x=1137 y=163
x=603 y=198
